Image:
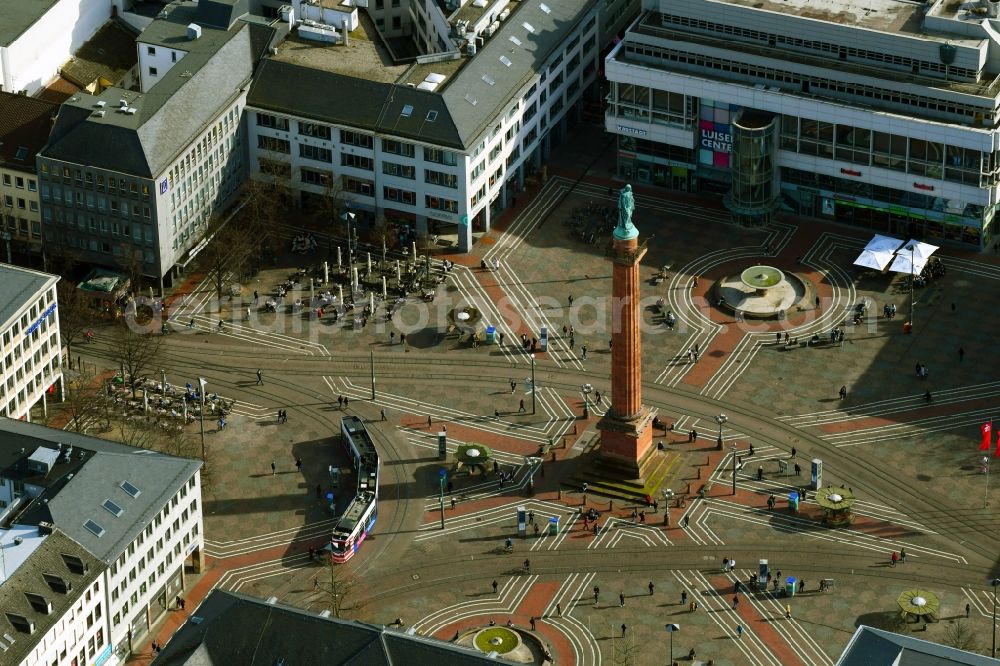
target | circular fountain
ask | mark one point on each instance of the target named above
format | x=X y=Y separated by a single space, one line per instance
x=761 y=292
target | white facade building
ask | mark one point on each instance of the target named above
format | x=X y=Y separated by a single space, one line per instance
x=439 y=145
x=883 y=116
x=38 y=36
x=134 y=519
x=29 y=340
x=142 y=172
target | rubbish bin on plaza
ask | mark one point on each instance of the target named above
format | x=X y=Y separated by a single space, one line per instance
x=790 y=586
x=793 y=502
x=907 y=327
x=553 y=525
x=762 y=571
x=491 y=335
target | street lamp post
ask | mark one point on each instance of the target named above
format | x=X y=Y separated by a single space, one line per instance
x=671 y=628
x=442 y=477
x=352 y=243
x=533 y=388
x=720 y=419
x=201 y=391
x=911 y=289
x=995 y=583
x=734 y=469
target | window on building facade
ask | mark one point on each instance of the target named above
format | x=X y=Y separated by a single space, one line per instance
x=315 y=153
x=315 y=130
x=273 y=122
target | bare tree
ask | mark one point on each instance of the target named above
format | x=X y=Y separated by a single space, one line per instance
x=960 y=635
x=337 y=589
x=135 y=350
x=225 y=255
x=130 y=262
x=76 y=314
x=82 y=400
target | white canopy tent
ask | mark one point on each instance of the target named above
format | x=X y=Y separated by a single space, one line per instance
x=883 y=244
x=920 y=250
x=874 y=260
x=902 y=264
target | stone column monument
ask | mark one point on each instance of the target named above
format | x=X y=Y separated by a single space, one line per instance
x=626 y=429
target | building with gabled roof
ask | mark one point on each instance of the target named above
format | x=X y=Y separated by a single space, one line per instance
x=141 y=172
x=24 y=128
x=38 y=592
x=877 y=647
x=437 y=141
x=136 y=513
x=232 y=628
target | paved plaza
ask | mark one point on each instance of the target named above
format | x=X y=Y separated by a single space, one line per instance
x=913 y=464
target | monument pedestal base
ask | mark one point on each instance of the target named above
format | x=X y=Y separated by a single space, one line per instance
x=627 y=445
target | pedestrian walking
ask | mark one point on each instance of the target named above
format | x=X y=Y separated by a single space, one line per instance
x=521 y=406
x=495 y=585
x=642 y=517
x=843 y=392
x=902 y=556
x=453 y=503
x=583 y=349
x=274 y=468
x=685 y=521
x=347 y=401
x=496 y=414
x=597 y=593
x=260 y=378
x=624 y=628
x=798 y=470
x=760 y=472
x=312 y=553
x=531 y=517
x=382 y=412
x=570 y=299
x=429 y=421
x=559 y=610
x=340 y=401
x=684 y=597
x=788 y=611
x=893 y=558
x=736 y=601
x=298 y=464
x=180 y=602
x=739 y=631
x=621 y=600
x=532 y=621
x=650 y=588
x=513 y=386
x=968 y=609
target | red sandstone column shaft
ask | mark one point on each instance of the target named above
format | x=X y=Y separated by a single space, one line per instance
x=626 y=352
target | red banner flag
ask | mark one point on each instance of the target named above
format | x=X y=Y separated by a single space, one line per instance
x=987 y=429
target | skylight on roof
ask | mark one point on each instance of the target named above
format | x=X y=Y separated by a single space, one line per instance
x=530 y=28
x=432 y=116
x=407 y=111
x=489 y=79
x=506 y=61
x=113 y=508
x=130 y=489
x=94 y=528
x=545 y=8
x=21 y=153
x=471 y=100
x=513 y=38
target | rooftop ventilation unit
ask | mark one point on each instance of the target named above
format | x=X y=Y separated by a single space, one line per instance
x=272 y=600
x=99 y=114
x=100 y=104
x=122 y=104
x=193 y=31
x=325 y=613
x=407 y=111
x=545 y=8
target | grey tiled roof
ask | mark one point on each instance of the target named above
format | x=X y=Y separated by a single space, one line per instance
x=336 y=98
x=170 y=114
x=326 y=95
x=875 y=647
x=75 y=490
x=30 y=578
x=19 y=15
x=237 y=629
x=17 y=285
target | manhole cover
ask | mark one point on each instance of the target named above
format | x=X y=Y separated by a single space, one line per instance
x=416 y=576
